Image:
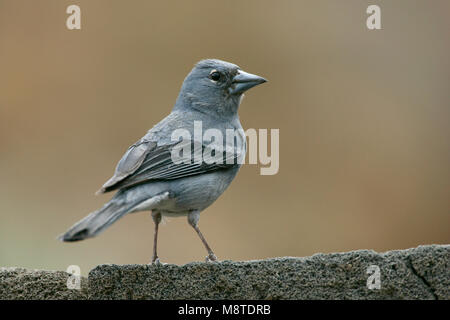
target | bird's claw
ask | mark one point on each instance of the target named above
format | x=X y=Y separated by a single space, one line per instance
x=211 y=258
x=157 y=262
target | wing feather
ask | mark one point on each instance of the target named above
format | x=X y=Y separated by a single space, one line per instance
x=130 y=162
x=141 y=165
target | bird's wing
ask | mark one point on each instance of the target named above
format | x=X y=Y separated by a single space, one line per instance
x=130 y=162
x=145 y=161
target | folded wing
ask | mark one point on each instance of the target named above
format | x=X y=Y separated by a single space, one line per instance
x=146 y=161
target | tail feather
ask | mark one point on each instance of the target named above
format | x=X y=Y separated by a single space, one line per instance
x=97 y=221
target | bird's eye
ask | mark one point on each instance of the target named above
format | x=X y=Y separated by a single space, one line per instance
x=214 y=75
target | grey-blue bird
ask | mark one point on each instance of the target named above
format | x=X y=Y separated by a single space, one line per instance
x=148 y=178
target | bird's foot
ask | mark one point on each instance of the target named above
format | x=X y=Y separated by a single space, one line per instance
x=211 y=258
x=157 y=262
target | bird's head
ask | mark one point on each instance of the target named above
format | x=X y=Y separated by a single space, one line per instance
x=216 y=86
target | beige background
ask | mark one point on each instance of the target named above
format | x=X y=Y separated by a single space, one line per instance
x=363 y=118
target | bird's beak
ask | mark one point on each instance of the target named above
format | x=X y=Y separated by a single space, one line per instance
x=243 y=81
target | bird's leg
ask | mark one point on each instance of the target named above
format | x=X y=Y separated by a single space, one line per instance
x=156 y=215
x=193 y=218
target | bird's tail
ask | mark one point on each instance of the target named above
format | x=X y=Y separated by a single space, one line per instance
x=98 y=221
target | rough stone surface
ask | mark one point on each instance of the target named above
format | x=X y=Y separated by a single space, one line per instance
x=419 y=273
x=23 y=284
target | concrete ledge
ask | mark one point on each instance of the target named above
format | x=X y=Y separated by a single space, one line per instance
x=419 y=273
x=23 y=284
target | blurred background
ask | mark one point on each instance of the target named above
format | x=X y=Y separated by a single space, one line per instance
x=363 y=118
